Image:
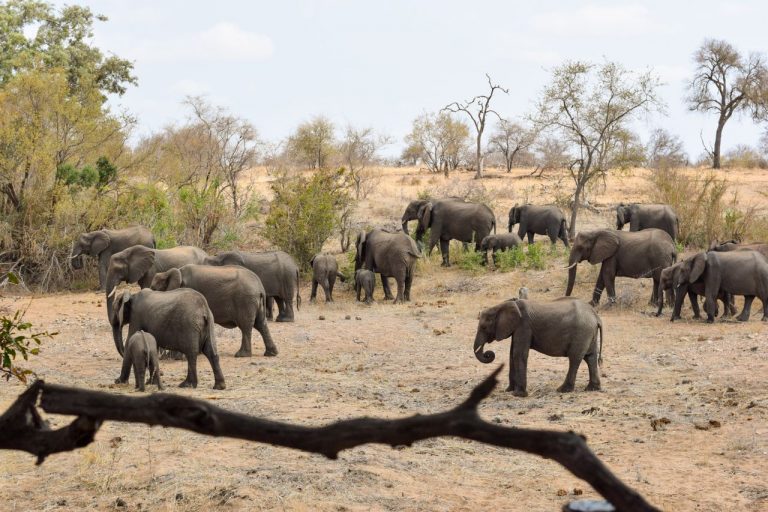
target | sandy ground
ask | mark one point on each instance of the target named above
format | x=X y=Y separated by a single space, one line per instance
x=417 y=358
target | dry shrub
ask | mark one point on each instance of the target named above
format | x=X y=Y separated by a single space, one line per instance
x=703 y=211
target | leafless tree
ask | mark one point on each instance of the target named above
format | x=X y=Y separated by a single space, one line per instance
x=510 y=139
x=589 y=106
x=358 y=151
x=665 y=150
x=478 y=109
x=725 y=82
x=551 y=155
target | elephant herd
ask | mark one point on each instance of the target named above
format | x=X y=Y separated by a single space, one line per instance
x=185 y=291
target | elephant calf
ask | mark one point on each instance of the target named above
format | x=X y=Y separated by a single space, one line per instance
x=141 y=354
x=499 y=242
x=325 y=270
x=565 y=327
x=365 y=280
x=672 y=274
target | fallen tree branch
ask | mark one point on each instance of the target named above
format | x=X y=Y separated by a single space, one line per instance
x=22 y=428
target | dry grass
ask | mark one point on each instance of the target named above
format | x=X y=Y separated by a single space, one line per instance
x=399 y=360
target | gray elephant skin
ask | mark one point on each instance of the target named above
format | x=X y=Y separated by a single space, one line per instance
x=733 y=245
x=180 y=320
x=278 y=273
x=499 y=242
x=365 y=281
x=390 y=255
x=234 y=294
x=737 y=272
x=454 y=220
x=412 y=210
x=539 y=220
x=565 y=327
x=141 y=355
x=645 y=216
x=325 y=271
x=693 y=290
x=102 y=244
x=637 y=255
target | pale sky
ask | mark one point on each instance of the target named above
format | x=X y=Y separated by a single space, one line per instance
x=380 y=64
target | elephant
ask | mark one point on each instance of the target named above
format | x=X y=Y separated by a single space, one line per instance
x=278 y=273
x=141 y=354
x=565 y=327
x=325 y=270
x=412 y=210
x=180 y=320
x=365 y=280
x=737 y=273
x=622 y=254
x=234 y=294
x=500 y=242
x=390 y=255
x=102 y=244
x=733 y=245
x=539 y=220
x=692 y=290
x=454 y=220
x=644 y=216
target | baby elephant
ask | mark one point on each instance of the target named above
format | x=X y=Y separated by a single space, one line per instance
x=499 y=242
x=141 y=353
x=565 y=327
x=365 y=280
x=325 y=270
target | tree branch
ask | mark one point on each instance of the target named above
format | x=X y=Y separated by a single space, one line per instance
x=22 y=428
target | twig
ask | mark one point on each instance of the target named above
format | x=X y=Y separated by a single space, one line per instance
x=21 y=428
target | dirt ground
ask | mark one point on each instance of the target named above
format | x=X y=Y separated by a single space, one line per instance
x=708 y=381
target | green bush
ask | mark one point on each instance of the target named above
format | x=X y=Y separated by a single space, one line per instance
x=466 y=260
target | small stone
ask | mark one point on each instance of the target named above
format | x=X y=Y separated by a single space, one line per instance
x=714 y=424
x=321 y=317
x=358 y=318
x=179 y=496
x=555 y=417
x=497 y=420
x=577 y=491
x=348 y=317
x=120 y=502
x=62 y=503
x=660 y=423
x=562 y=492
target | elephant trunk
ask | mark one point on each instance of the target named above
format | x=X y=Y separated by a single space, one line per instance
x=572 y=262
x=117 y=332
x=76 y=261
x=483 y=356
x=660 y=296
x=405 y=226
x=117 y=335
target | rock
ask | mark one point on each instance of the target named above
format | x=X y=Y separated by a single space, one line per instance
x=348 y=317
x=660 y=423
x=577 y=491
x=562 y=492
x=555 y=417
x=358 y=318
x=321 y=317
x=120 y=502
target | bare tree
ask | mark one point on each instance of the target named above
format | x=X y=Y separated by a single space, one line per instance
x=551 y=154
x=358 y=151
x=510 y=139
x=589 y=106
x=725 y=83
x=478 y=109
x=439 y=140
x=665 y=150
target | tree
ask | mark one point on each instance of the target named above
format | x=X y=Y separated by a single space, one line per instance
x=313 y=143
x=590 y=106
x=510 y=139
x=479 y=117
x=357 y=151
x=438 y=139
x=665 y=150
x=61 y=41
x=725 y=82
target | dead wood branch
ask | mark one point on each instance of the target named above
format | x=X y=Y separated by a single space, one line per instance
x=22 y=428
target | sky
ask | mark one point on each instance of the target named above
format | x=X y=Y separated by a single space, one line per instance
x=380 y=64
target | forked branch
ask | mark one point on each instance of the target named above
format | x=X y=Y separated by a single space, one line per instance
x=22 y=428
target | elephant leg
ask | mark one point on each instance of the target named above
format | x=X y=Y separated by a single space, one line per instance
x=694 y=300
x=400 y=280
x=670 y=296
x=408 y=283
x=154 y=374
x=530 y=237
x=285 y=308
x=270 y=307
x=358 y=288
x=245 y=341
x=191 y=380
x=765 y=309
x=745 y=312
x=570 y=377
x=140 y=373
x=599 y=285
x=125 y=371
x=261 y=326
x=444 y=250
x=209 y=351
x=331 y=284
x=387 y=290
x=519 y=360
x=609 y=278
x=313 y=294
x=594 y=371
x=680 y=293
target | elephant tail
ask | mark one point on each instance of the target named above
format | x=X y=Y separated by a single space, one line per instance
x=298 y=288
x=208 y=336
x=563 y=228
x=341 y=277
x=493 y=225
x=602 y=339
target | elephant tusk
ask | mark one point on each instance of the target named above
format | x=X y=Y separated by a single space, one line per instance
x=571 y=266
x=112 y=293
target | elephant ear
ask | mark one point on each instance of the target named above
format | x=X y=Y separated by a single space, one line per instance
x=312 y=261
x=606 y=245
x=175 y=279
x=99 y=241
x=140 y=261
x=508 y=318
x=122 y=309
x=425 y=215
x=233 y=258
x=697 y=267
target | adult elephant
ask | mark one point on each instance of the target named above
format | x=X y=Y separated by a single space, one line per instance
x=412 y=210
x=391 y=255
x=622 y=254
x=737 y=273
x=179 y=320
x=645 y=216
x=102 y=244
x=539 y=220
x=454 y=220
x=234 y=294
x=733 y=245
x=278 y=273
x=693 y=290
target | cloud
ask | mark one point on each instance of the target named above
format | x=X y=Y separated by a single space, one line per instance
x=189 y=87
x=598 y=21
x=224 y=41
